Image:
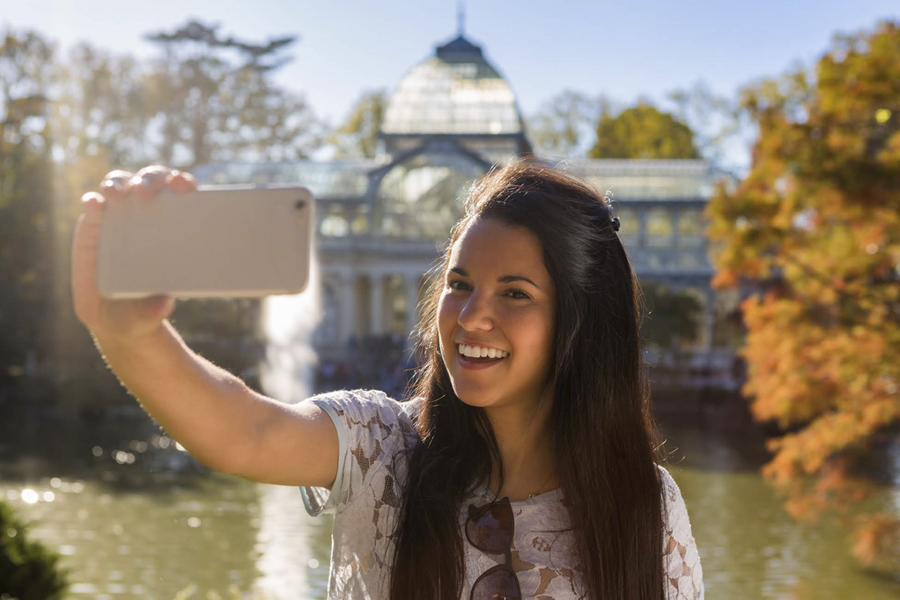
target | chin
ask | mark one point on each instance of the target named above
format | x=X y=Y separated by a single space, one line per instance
x=477 y=398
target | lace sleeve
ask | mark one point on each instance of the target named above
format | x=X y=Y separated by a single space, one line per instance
x=372 y=428
x=684 y=575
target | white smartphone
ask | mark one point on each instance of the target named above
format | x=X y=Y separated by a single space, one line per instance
x=216 y=242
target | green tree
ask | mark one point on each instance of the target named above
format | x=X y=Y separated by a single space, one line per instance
x=643 y=131
x=213 y=99
x=358 y=136
x=28 y=570
x=26 y=211
x=814 y=227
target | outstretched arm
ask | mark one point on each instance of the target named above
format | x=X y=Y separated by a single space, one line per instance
x=212 y=413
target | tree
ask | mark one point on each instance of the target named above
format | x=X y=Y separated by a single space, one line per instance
x=643 y=131
x=28 y=569
x=358 y=136
x=564 y=126
x=213 y=99
x=722 y=131
x=101 y=114
x=814 y=228
x=26 y=212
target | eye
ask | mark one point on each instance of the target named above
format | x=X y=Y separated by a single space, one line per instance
x=457 y=284
x=518 y=295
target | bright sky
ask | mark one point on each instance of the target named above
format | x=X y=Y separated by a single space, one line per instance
x=625 y=49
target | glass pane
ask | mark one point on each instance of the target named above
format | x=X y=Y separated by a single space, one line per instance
x=659 y=227
x=334 y=226
x=422 y=198
x=442 y=97
x=628 y=221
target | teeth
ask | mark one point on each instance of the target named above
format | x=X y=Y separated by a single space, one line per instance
x=481 y=352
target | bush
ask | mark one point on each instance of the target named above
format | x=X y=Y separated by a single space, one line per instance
x=28 y=570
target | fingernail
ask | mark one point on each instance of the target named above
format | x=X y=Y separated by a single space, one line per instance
x=113 y=184
x=91 y=198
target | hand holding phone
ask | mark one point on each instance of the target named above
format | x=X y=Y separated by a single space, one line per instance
x=124 y=320
x=132 y=233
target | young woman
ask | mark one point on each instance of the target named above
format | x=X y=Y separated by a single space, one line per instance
x=524 y=466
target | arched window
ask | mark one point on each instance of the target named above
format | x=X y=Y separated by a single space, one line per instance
x=422 y=198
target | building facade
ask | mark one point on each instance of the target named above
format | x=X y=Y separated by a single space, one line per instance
x=382 y=222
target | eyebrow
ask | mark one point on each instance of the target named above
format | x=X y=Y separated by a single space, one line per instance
x=502 y=279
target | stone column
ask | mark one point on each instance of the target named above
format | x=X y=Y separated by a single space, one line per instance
x=347 y=291
x=376 y=298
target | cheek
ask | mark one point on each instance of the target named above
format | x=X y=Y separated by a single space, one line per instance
x=534 y=334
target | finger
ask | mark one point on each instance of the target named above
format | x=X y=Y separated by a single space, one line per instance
x=119 y=173
x=149 y=181
x=84 y=258
x=116 y=185
x=180 y=182
x=92 y=201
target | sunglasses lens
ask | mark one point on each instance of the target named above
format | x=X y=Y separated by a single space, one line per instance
x=497 y=584
x=490 y=528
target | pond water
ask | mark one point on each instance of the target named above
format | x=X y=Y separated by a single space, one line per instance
x=134 y=517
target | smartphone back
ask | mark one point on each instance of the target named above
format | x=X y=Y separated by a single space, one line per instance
x=214 y=242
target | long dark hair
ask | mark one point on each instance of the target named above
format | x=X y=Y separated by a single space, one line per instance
x=600 y=412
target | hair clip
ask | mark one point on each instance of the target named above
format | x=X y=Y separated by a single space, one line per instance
x=615 y=223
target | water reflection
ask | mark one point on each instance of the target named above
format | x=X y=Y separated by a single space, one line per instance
x=161 y=525
x=291 y=548
x=749 y=546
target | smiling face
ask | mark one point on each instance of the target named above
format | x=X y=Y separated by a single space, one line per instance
x=498 y=299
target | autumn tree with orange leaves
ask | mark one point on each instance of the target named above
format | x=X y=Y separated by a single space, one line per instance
x=813 y=232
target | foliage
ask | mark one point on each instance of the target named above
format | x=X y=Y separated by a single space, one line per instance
x=101 y=113
x=672 y=316
x=213 y=99
x=68 y=120
x=815 y=229
x=643 y=131
x=358 y=136
x=28 y=570
x=565 y=125
x=26 y=215
x=722 y=131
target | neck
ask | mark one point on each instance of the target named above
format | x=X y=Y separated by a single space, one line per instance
x=524 y=438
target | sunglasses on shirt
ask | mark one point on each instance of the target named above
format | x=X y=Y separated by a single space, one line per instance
x=489 y=528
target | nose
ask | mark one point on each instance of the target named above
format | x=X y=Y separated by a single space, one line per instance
x=476 y=313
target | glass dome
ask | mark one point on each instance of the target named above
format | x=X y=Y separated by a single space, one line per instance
x=456 y=91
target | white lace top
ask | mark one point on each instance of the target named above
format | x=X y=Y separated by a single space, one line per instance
x=372 y=430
